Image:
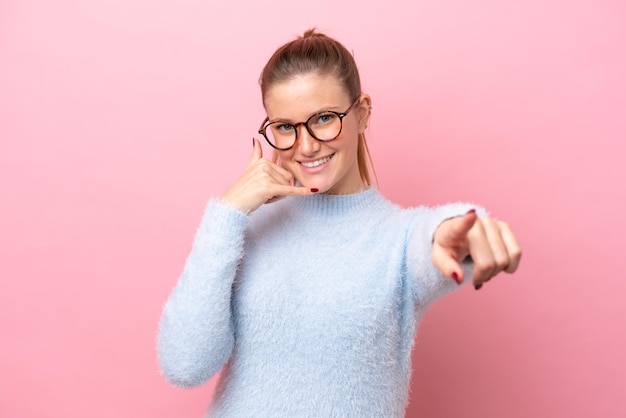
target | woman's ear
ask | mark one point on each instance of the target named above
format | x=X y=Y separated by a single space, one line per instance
x=365 y=110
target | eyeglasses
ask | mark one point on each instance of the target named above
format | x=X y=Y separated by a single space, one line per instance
x=323 y=126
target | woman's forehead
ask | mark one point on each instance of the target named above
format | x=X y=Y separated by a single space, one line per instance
x=305 y=95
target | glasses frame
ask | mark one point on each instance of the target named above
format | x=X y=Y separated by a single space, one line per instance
x=266 y=122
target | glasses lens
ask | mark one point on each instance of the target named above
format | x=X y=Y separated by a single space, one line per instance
x=325 y=126
x=281 y=134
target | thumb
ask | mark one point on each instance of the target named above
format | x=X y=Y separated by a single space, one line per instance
x=453 y=232
x=257 y=151
x=449 y=239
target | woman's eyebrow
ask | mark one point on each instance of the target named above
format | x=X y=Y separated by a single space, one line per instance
x=321 y=110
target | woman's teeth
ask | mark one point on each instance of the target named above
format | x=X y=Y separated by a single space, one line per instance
x=316 y=163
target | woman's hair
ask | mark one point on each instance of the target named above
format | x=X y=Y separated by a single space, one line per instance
x=317 y=53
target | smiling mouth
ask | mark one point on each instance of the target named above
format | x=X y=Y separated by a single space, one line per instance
x=317 y=163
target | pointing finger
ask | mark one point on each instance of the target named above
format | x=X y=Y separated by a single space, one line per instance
x=447 y=264
x=451 y=244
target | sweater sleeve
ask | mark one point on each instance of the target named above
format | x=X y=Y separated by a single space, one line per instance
x=429 y=283
x=196 y=328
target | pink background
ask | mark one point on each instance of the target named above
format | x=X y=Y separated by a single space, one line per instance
x=120 y=118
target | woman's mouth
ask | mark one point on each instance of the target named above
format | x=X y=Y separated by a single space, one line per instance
x=316 y=163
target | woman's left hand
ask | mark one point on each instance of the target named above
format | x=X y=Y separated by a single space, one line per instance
x=490 y=243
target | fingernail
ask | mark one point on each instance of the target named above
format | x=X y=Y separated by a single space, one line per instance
x=471 y=211
x=314 y=190
x=252 y=142
x=455 y=276
x=478 y=286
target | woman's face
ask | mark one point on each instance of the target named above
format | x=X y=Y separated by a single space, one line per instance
x=331 y=167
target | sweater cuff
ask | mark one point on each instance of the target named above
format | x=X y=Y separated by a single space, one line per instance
x=221 y=219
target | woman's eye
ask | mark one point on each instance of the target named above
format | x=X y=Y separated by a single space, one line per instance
x=284 y=128
x=325 y=118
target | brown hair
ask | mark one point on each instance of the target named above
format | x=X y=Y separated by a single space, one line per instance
x=315 y=52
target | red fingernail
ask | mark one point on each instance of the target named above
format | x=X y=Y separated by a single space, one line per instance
x=455 y=276
x=478 y=286
x=314 y=190
x=471 y=211
x=252 y=142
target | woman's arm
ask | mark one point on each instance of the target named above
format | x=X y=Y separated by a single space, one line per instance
x=196 y=329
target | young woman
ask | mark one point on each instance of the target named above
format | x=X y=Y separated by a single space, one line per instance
x=309 y=305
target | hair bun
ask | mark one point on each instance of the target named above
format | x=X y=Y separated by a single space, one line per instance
x=312 y=33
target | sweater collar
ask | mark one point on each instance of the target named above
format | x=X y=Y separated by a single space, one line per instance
x=336 y=205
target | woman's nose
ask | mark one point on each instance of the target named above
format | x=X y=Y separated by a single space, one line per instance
x=308 y=145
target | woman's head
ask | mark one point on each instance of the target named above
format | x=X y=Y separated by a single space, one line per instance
x=312 y=53
x=310 y=74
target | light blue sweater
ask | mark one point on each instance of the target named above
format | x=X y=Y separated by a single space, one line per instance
x=310 y=304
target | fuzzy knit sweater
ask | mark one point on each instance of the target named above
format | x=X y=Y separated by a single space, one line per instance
x=309 y=306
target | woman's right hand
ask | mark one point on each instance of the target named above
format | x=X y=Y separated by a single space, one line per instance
x=262 y=182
